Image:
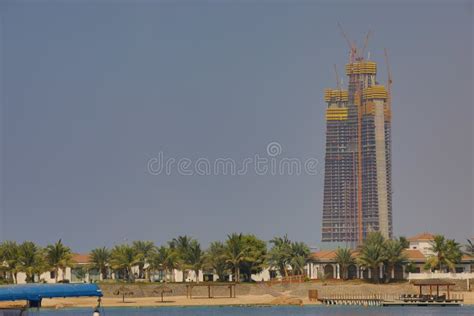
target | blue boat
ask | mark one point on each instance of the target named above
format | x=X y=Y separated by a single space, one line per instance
x=34 y=293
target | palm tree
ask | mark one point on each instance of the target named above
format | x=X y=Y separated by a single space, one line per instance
x=344 y=259
x=279 y=255
x=438 y=247
x=404 y=241
x=30 y=260
x=195 y=258
x=374 y=238
x=394 y=254
x=215 y=259
x=58 y=257
x=144 y=250
x=100 y=259
x=9 y=256
x=181 y=246
x=165 y=259
x=123 y=258
x=469 y=247
x=235 y=253
x=371 y=254
x=299 y=257
x=454 y=253
x=256 y=254
x=446 y=253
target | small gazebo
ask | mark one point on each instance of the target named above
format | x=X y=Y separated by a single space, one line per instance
x=434 y=284
x=161 y=290
x=124 y=291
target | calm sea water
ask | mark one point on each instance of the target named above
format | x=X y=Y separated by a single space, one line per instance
x=272 y=311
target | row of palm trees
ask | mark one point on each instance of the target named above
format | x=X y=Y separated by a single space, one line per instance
x=240 y=255
x=380 y=253
x=32 y=260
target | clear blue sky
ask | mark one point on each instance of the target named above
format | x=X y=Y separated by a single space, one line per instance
x=91 y=91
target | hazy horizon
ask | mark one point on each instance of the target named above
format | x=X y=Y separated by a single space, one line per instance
x=92 y=91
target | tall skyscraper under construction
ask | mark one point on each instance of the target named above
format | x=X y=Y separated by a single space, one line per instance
x=357 y=178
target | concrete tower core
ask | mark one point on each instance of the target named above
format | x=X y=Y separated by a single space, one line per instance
x=357 y=179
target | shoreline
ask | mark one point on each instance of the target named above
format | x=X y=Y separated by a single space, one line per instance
x=140 y=302
x=251 y=295
x=181 y=302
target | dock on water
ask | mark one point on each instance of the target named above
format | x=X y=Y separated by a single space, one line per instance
x=392 y=300
x=434 y=297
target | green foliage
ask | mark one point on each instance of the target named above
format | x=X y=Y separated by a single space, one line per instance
x=279 y=255
x=410 y=267
x=58 y=257
x=469 y=247
x=144 y=251
x=9 y=256
x=100 y=260
x=165 y=259
x=447 y=252
x=393 y=254
x=80 y=272
x=404 y=241
x=215 y=260
x=286 y=254
x=372 y=254
x=195 y=258
x=181 y=246
x=31 y=260
x=256 y=252
x=122 y=259
x=344 y=259
x=236 y=253
x=299 y=256
x=241 y=254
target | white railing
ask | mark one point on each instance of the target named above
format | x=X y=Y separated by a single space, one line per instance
x=440 y=275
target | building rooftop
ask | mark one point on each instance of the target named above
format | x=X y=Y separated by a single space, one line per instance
x=324 y=255
x=414 y=255
x=467 y=257
x=328 y=255
x=432 y=282
x=422 y=237
x=81 y=258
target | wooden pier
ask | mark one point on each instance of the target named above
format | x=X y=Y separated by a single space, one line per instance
x=421 y=299
x=361 y=300
x=391 y=300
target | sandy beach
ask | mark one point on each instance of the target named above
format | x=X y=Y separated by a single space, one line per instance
x=250 y=295
x=150 y=301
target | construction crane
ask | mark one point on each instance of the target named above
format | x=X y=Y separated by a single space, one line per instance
x=389 y=79
x=366 y=42
x=352 y=44
x=338 y=79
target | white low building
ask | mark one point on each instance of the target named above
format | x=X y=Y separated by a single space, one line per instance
x=79 y=273
x=324 y=264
